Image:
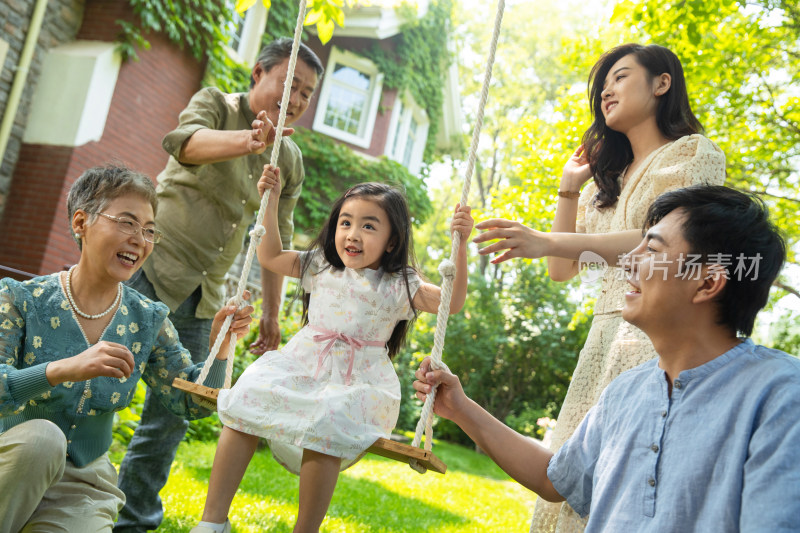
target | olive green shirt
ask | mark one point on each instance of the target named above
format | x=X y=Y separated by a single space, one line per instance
x=204 y=211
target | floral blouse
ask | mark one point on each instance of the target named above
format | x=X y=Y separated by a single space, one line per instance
x=37 y=326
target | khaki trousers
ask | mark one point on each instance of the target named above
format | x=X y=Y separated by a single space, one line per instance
x=42 y=492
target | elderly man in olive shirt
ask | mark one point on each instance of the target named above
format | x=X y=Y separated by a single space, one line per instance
x=207 y=200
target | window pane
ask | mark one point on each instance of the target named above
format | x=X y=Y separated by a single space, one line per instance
x=412 y=134
x=345 y=109
x=351 y=76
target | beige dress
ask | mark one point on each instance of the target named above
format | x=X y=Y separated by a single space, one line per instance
x=614 y=346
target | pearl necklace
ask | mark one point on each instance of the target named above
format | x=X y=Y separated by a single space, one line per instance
x=75 y=306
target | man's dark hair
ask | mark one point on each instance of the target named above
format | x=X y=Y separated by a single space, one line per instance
x=723 y=225
x=281 y=48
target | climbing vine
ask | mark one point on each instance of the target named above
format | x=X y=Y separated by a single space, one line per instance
x=331 y=168
x=419 y=62
x=199 y=25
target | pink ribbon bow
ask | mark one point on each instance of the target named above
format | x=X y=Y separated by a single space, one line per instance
x=331 y=337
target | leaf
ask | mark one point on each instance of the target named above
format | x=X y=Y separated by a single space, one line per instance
x=325 y=30
x=622 y=12
x=312 y=17
x=244 y=5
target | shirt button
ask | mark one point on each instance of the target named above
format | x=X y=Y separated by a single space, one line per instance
x=244 y=202
x=677 y=384
x=69 y=442
x=651 y=482
x=221 y=248
x=204 y=272
x=234 y=225
x=654 y=447
x=663 y=414
x=73 y=426
x=250 y=176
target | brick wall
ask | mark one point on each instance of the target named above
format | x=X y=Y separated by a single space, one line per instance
x=148 y=97
x=61 y=21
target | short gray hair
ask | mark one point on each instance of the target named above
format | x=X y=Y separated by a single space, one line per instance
x=281 y=48
x=99 y=186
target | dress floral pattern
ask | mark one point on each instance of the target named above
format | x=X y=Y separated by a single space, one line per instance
x=306 y=395
x=613 y=345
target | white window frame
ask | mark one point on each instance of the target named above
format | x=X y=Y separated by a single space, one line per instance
x=253 y=24
x=405 y=108
x=342 y=57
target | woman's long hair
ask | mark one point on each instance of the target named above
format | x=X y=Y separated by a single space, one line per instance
x=609 y=152
x=400 y=260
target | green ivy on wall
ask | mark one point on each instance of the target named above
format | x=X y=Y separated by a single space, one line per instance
x=419 y=62
x=199 y=25
x=331 y=168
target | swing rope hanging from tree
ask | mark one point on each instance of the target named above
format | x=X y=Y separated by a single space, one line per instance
x=419 y=459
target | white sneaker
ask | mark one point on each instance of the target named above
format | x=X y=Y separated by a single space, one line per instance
x=226 y=528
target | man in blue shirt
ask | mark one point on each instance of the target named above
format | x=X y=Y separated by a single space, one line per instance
x=704 y=438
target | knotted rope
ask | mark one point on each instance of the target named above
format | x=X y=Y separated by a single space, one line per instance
x=258 y=231
x=447 y=268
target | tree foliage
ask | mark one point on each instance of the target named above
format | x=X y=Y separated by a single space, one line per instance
x=331 y=168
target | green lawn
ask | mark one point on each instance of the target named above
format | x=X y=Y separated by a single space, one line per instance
x=375 y=495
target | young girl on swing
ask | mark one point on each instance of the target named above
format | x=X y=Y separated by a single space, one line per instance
x=325 y=398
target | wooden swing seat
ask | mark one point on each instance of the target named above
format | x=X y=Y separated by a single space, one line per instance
x=383 y=447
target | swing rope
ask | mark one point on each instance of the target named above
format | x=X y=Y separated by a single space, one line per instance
x=258 y=230
x=447 y=268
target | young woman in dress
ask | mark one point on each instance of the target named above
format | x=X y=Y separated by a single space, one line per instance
x=644 y=140
x=332 y=391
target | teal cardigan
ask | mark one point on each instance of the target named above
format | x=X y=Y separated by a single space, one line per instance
x=37 y=326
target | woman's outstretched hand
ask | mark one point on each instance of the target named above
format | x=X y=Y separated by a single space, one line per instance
x=516 y=239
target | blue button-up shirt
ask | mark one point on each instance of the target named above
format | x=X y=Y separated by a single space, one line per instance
x=721 y=454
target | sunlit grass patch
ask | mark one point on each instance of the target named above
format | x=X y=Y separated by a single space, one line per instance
x=376 y=495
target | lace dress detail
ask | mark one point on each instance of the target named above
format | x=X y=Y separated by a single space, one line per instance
x=614 y=346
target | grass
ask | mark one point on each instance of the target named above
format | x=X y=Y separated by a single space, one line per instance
x=376 y=495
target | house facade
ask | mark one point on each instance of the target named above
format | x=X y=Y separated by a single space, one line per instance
x=83 y=106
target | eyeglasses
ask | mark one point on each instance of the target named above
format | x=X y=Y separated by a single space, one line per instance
x=129 y=226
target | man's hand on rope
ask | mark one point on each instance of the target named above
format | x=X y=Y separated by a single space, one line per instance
x=263 y=133
x=450 y=397
x=517 y=239
x=240 y=325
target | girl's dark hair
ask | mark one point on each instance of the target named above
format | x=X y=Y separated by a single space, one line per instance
x=400 y=260
x=609 y=152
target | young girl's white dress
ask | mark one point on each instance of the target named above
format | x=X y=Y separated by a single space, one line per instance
x=332 y=388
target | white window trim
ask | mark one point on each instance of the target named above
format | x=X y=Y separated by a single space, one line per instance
x=405 y=107
x=367 y=67
x=253 y=24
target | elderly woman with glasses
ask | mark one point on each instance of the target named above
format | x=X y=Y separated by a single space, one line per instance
x=73 y=346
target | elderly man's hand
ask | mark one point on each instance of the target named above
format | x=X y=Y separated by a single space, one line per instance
x=263 y=133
